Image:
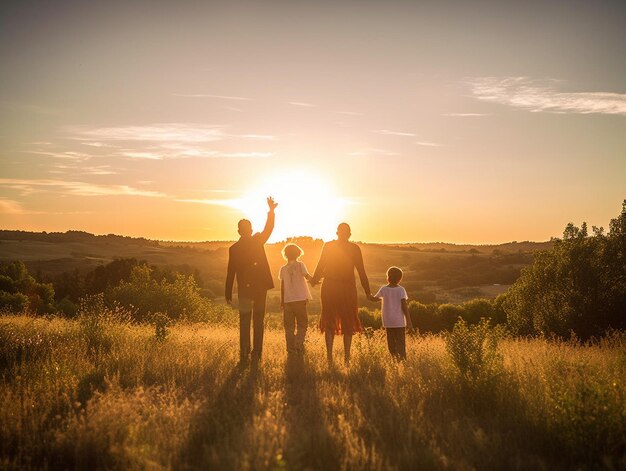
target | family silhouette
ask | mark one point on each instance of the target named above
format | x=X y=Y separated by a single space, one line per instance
x=248 y=264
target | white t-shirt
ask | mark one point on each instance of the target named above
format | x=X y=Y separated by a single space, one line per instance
x=294 y=283
x=392 y=297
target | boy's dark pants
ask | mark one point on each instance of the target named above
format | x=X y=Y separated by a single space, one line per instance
x=295 y=313
x=252 y=308
x=396 y=341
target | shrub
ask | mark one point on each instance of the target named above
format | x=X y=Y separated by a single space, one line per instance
x=477 y=309
x=372 y=319
x=98 y=322
x=473 y=350
x=19 y=291
x=180 y=299
x=424 y=316
x=13 y=302
x=447 y=315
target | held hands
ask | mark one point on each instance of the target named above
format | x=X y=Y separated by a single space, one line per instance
x=372 y=298
x=313 y=282
x=271 y=203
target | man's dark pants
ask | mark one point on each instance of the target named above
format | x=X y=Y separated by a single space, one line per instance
x=251 y=307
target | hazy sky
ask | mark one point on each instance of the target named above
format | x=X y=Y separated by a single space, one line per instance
x=413 y=121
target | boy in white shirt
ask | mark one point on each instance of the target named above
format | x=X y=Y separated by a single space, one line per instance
x=294 y=295
x=395 y=313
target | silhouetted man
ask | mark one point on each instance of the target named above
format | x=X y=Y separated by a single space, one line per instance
x=247 y=261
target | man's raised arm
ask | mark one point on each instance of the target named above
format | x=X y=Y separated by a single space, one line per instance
x=269 y=224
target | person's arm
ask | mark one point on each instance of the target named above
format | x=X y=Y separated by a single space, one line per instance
x=376 y=297
x=407 y=315
x=360 y=268
x=269 y=223
x=305 y=272
x=230 y=278
x=321 y=267
x=282 y=295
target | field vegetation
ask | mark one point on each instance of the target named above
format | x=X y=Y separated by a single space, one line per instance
x=100 y=392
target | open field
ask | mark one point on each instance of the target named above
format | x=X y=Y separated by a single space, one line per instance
x=97 y=393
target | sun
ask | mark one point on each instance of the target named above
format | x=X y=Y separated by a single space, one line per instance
x=307 y=205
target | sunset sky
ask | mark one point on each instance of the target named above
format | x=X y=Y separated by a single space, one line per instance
x=473 y=122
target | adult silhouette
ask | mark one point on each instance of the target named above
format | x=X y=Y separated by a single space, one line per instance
x=336 y=266
x=248 y=263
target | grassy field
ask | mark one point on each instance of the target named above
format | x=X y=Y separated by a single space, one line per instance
x=98 y=393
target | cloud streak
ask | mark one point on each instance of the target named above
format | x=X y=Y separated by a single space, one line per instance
x=204 y=95
x=162 y=141
x=78 y=188
x=13 y=207
x=387 y=132
x=543 y=96
x=466 y=115
x=167 y=132
x=302 y=103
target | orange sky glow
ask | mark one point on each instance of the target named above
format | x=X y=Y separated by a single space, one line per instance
x=413 y=121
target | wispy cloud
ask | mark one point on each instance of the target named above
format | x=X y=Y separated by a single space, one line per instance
x=96 y=144
x=387 y=132
x=466 y=115
x=78 y=188
x=543 y=95
x=257 y=137
x=231 y=203
x=67 y=155
x=349 y=113
x=302 y=103
x=204 y=95
x=246 y=154
x=162 y=141
x=167 y=132
x=13 y=207
x=428 y=144
x=372 y=151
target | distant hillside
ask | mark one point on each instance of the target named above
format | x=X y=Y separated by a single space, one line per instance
x=433 y=271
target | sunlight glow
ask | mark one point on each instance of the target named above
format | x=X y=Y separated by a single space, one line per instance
x=307 y=205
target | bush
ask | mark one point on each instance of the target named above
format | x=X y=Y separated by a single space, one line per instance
x=99 y=323
x=67 y=307
x=372 y=319
x=13 y=302
x=477 y=309
x=180 y=299
x=424 y=316
x=474 y=352
x=20 y=292
x=448 y=314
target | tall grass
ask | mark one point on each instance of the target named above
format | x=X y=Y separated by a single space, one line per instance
x=106 y=394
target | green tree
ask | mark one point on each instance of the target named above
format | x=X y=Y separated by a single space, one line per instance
x=579 y=285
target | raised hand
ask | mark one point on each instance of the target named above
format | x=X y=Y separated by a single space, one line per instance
x=271 y=203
